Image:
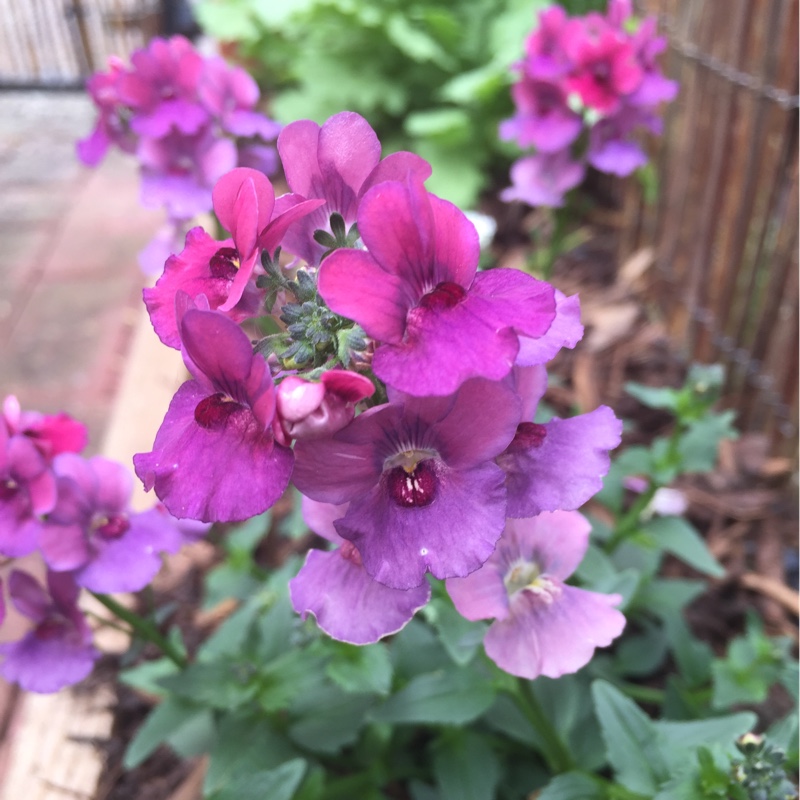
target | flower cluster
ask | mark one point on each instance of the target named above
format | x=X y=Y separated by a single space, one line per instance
x=74 y=512
x=587 y=86
x=397 y=391
x=188 y=119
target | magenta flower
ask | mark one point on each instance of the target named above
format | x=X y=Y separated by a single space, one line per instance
x=334 y=586
x=161 y=89
x=565 y=331
x=424 y=497
x=542 y=626
x=543 y=180
x=57 y=651
x=312 y=410
x=545 y=58
x=215 y=458
x=93 y=533
x=417 y=292
x=28 y=443
x=244 y=201
x=338 y=162
x=605 y=68
x=558 y=465
x=612 y=144
x=655 y=88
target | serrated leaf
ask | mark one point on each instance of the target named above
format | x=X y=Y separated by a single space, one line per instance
x=361 y=669
x=692 y=656
x=451 y=697
x=146 y=676
x=465 y=767
x=216 y=684
x=677 y=536
x=330 y=718
x=461 y=637
x=416 y=650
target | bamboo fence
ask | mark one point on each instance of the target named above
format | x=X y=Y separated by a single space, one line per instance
x=59 y=43
x=724 y=225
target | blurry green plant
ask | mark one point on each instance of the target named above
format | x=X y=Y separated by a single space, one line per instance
x=287 y=713
x=432 y=76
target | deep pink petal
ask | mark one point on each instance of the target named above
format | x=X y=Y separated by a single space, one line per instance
x=348 y=151
x=243 y=201
x=297 y=146
x=354 y=285
x=396 y=167
x=457 y=247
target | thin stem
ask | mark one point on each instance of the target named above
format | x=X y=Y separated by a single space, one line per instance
x=644 y=694
x=554 y=750
x=144 y=628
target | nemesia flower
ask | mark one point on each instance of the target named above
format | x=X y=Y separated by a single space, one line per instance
x=58 y=650
x=542 y=626
x=215 y=457
x=544 y=53
x=338 y=162
x=223 y=270
x=655 y=88
x=92 y=532
x=604 y=63
x=417 y=292
x=560 y=464
x=334 y=586
x=423 y=496
x=543 y=180
x=565 y=331
x=28 y=443
x=311 y=410
x=612 y=146
x=543 y=119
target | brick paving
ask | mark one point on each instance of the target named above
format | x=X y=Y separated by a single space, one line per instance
x=69 y=282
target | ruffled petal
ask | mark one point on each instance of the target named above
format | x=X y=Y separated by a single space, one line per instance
x=565 y=331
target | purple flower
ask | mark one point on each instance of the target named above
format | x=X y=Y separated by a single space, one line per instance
x=418 y=293
x=161 y=89
x=558 y=465
x=215 y=458
x=424 y=493
x=58 y=650
x=543 y=180
x=565 y=331
x=166 y=242
x=654 y=88
x=542 y=626
x=334 y=586
x=313 y=410
x=93 y=533
x=543 y=119
x=612 y=146
x=545 y=58
x=337 y=162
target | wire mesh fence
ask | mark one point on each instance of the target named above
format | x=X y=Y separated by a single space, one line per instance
x=724 y=225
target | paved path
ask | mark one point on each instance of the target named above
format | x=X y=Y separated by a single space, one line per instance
x=69 y=282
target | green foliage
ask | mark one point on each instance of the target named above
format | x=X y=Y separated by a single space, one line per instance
x=431 y=76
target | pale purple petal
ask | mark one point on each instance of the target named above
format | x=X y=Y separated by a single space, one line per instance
x=348 y=151
x=64 y=547
x=530 y=384
x=451 y=537
x=321 y=516
x=349 y=605
x=565 y=331
x=481 y=595
x=28 y=596
x=554 y=636
x=561 y=464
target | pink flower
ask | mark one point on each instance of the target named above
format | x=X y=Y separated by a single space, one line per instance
x=544 y=179
x=542 y=626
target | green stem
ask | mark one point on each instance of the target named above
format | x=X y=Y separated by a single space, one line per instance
x=644 y=694
x=144 y=628
x=630 y=521
x=554 y=750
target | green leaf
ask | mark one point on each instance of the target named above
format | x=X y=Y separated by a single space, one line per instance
x=666 y=597
x=361 y=669
x=416 y=650
x=638 y=655
x=451 y=697
x=465 y=767
x=174 y=720
x=572 y=786
x=715 y=730
x=276 y=784
x=217 y=684
x=677 y=536
x=415 y=42
x=654 y=397
x=245 y=744
x=506 y=717
x=227 y=581
x=698 y=447
x=596 y=568
x=456 y=176
x=692 y=656
x=461 y=637
x=247 y=536
x=631 y=741
x=146 y=676
x=452 y=124
x=330 y=718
